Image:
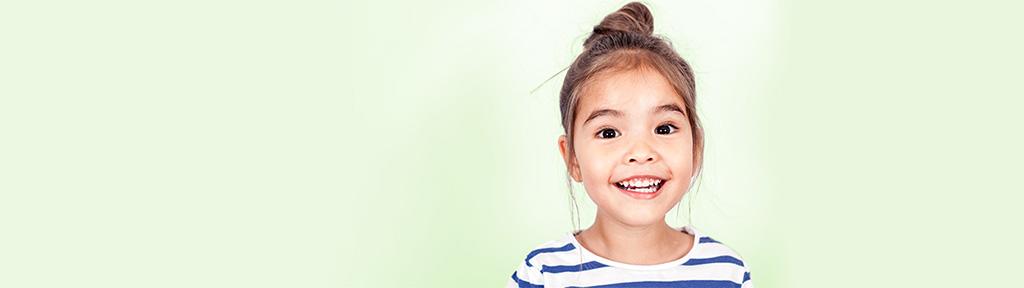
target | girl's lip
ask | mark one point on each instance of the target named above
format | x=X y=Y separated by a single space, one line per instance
x=642 y=177
x=642 y=196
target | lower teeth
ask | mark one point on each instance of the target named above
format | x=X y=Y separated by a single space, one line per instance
x=642 y=190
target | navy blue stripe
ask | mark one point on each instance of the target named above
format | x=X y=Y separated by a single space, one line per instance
x=746 y=277
x=572 y=268
x=707 y=239
x=719 y=259
x=683 y=283
x=522 y=283
x=567 y=247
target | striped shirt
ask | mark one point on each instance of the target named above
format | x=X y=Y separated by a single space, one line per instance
x=565 y=263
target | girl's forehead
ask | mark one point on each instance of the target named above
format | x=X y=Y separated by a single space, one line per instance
x=635 y=88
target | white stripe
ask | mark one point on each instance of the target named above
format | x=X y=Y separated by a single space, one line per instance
x=708 y=250
x=571 y=257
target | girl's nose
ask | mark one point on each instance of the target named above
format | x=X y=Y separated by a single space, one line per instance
x=640 y=154
x=641 y=159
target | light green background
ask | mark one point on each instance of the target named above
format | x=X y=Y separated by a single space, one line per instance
x=346 y=144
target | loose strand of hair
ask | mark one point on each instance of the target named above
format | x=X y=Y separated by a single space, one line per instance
x=548 y=80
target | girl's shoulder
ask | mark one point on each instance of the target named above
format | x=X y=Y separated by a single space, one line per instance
x=710 y=248
x=708 y=251
x=553 y=252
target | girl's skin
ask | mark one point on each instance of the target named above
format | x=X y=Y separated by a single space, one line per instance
x=641 y=136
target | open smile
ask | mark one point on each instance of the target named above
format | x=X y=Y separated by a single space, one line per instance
x=641 y=187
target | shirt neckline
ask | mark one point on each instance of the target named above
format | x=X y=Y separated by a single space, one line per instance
x=686 y=257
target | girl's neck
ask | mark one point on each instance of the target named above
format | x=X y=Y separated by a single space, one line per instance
x=639 y=245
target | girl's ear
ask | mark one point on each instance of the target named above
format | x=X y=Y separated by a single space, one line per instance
x=570 y=164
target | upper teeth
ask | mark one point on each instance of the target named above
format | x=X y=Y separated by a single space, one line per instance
x=640 y=182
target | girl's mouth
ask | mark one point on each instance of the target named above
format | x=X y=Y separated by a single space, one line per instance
x=641 y=187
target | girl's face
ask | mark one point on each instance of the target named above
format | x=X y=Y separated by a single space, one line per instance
x=634 y=148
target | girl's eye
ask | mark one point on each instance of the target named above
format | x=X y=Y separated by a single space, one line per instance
x=607 y=133
x=665 y=129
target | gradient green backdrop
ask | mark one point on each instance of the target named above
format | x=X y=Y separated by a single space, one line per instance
x=378 y=144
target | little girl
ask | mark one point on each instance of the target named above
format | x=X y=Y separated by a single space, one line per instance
x=632 y=137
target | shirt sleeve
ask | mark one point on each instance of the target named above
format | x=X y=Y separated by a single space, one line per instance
x=526 y=277
x=747 y=282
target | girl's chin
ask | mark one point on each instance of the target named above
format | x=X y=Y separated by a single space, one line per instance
x=636 y=212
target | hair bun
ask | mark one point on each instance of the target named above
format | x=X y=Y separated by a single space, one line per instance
x=631 y=18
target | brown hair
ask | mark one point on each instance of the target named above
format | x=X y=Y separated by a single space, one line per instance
x=624 y=41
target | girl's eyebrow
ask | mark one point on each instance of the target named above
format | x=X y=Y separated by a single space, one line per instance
x=669 y=108
x=602 y=112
